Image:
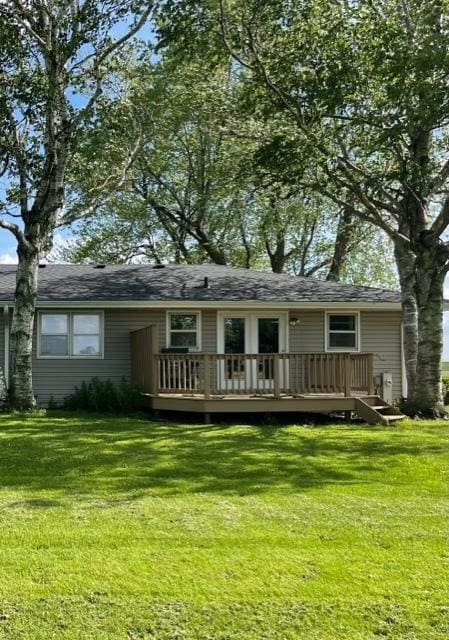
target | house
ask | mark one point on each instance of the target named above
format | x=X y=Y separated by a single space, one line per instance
x=210 y=338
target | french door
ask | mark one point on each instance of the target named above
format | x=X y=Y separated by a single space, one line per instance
x=256 y=336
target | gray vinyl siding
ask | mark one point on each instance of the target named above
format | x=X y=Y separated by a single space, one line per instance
x=305 y=337
x=380 y=334
x=209 y=331
x=57 y=378
x=308 y=335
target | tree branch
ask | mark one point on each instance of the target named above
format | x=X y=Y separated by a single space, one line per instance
x=101 y=56
x=440 y=179
x=25 y=21
x=14 y=229
x=442 y=220
x=100 y=201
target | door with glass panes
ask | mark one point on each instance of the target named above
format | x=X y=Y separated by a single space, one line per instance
x=256 y=336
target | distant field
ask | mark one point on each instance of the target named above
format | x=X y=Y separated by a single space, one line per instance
x=445 y=366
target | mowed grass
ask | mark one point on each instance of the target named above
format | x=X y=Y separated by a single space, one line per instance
x=131 y=529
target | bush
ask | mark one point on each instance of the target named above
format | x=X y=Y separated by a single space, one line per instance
x=445 y=381
x=52 y=404
x=103 y=396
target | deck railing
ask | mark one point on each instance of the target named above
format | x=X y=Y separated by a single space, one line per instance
x=270 y=374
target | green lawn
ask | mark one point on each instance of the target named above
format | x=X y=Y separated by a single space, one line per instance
x=130 y=529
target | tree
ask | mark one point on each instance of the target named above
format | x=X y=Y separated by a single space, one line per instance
x=365 y=85
x=55 y=57
x=195 y=192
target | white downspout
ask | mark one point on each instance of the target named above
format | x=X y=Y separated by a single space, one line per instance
x=6 y=354
x=403 y=371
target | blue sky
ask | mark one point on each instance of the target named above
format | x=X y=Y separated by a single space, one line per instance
x=8 y=256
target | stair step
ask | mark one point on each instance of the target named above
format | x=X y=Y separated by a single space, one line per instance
x=393 y=417
x=377 y=407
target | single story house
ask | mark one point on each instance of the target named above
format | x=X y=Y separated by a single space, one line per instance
x=210 y=338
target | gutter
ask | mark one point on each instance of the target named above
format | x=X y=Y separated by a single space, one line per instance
x=214 y=304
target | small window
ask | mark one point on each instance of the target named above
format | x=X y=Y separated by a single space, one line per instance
x=183 y=330
x=86 y=335
x=54 y=334
x=342 y=332
x=66 y=335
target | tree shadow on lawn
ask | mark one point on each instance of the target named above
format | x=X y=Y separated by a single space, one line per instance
x=87 y=455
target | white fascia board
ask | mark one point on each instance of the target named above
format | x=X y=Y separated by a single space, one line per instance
x=211 y=304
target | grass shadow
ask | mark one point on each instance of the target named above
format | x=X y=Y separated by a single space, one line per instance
x=88 y=455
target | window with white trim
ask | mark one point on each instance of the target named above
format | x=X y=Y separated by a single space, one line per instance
x=183 y=329
x=86 y=334
x=342 y=332
x=54 y=334
x=70 y=335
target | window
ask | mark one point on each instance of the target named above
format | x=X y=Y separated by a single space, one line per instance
x=342 y=332
x=54 y=334
x=86 y=335
x=70 y=335
x=183 y=329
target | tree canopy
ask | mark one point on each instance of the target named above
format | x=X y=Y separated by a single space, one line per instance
x=197 y=191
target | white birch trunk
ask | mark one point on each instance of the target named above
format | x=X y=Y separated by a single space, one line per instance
x=428 y=399
x=405 y=261
x=422 y=282
x=21 y=380
x=3 y=391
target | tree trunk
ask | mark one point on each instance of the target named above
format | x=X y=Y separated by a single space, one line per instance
x=21 y=394
x=215 y=253
x=3 y=391
x=345 y=233
x=278 y=257
x=427 y=399
x=405 y=262
x=421 y=273
x=430 y=271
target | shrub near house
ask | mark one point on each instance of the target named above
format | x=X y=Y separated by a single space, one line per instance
x=105 y=397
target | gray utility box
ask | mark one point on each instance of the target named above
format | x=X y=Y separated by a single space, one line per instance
x=383 y=383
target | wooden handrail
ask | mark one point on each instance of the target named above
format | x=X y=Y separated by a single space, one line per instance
x=267 y=374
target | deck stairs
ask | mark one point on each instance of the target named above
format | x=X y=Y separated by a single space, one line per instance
x=374 y=410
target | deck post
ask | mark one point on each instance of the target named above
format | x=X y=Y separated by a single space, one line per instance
x=206 y=379
x=371 y=374
x=348 y=376
x=154 y=380
x=276 y=382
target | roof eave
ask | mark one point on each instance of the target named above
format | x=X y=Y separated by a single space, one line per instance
x=214 y=304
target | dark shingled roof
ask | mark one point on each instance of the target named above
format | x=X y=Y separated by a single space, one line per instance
x=185 y=282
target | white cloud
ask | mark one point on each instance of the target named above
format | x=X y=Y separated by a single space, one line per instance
x=8 y=258
x=60 y=241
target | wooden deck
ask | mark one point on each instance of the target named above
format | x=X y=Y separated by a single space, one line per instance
x=254 y=383
x=250 y=404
